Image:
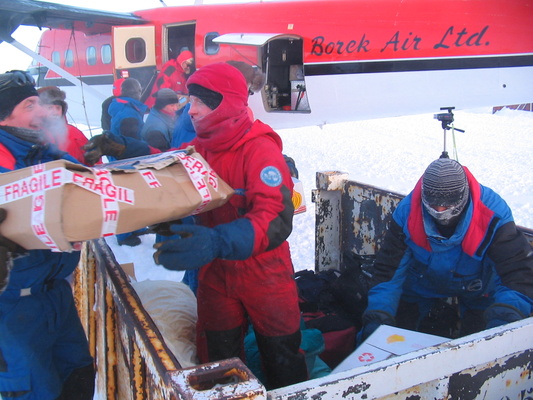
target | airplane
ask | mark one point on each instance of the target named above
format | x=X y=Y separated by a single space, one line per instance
x=324 y=61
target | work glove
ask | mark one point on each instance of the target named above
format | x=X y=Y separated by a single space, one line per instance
x=500 y=314
x=102 y=145
x=164 y=229
x=197 y=245
x=8 y=249
x=371 y=321
x=292 y=166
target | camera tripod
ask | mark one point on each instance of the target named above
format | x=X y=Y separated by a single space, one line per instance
x=447 y=124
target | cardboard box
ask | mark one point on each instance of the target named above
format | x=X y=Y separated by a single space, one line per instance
x=52 y=205
x=386 y=342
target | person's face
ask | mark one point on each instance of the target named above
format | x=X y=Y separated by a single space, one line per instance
x=53 y=110
x=137 y=92
x=27 y=114
x=198 y=109
x=187 y=65
x=171 y=109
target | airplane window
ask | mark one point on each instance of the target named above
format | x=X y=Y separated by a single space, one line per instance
x=211 y=48
x=106 y=54
x=56 y=58
x=69 y=58
x=91 y=55
x=135 y=50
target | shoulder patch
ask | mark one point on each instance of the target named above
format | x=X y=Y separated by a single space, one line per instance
x=271 y=176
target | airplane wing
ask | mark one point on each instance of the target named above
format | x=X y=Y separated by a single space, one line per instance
x=50 y=15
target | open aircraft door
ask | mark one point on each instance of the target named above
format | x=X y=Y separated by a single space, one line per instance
x=280 y=56
x=134 y=53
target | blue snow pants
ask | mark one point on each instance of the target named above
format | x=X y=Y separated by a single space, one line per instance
x=41 y=342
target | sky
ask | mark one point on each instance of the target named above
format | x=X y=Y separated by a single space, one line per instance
x=12 y=58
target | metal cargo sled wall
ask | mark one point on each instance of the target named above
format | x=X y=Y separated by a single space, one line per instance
x=133 y=361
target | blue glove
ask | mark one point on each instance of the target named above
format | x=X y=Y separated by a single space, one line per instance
x=371 y=321
x=500 y=314
x=198 y=245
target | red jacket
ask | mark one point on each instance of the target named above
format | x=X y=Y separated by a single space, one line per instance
x=243 y=167
x=73 y=146
x=172 y=77
x=72 y=143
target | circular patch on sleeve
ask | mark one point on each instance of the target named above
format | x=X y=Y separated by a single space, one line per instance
x=271 y=176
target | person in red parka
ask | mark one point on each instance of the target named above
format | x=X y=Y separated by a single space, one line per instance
x=173 y=76
x=241 y=250
x=246 y=272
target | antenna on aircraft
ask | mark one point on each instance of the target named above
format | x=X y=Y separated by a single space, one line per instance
x=447 y=123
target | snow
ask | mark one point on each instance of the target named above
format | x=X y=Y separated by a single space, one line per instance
x=392 y=153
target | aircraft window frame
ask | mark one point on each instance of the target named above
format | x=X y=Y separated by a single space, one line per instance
x=56 y=58
x=69 y=58
x=210 y=47
x=91 y=55
x=135 y=50
x=106 y=54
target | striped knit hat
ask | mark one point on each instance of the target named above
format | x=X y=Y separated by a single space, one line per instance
x=444 y=184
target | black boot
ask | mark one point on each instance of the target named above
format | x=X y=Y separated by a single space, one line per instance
x=225 y=344
x=79 y=385
x=282 y=361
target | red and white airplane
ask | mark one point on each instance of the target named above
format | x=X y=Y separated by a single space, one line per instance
x=325 y=61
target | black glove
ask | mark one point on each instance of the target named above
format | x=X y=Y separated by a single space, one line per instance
x=7 y=249
x=500 y=314
x=163 y=228
x=371 y=321
x=102 y=145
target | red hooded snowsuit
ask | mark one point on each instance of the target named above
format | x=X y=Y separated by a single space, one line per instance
x=260 y=289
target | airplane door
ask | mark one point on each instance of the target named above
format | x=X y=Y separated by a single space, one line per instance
x=134 y=53
x=281 y=59
x=285 y=83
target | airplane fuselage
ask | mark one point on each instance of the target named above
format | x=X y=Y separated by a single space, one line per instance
x=328 y=61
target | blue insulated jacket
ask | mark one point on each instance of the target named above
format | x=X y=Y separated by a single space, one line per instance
x=36 y=266
x=469 y=264
x=157 y=130
x=127 y=116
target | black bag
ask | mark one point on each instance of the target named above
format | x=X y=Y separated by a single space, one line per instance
x=344 y=294
x=311 y=287
x=348 y=295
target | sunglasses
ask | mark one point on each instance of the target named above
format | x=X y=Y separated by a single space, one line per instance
x=15 y=79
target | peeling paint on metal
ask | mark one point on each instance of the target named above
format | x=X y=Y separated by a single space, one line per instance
x=356 y=389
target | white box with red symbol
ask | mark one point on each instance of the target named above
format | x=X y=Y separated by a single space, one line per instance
x=386 y=342
x=55 y=204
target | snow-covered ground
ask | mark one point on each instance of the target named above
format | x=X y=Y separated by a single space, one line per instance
x=393 y=153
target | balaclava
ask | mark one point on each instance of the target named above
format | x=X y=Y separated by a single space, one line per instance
x=229 y=121
x=444 y=184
